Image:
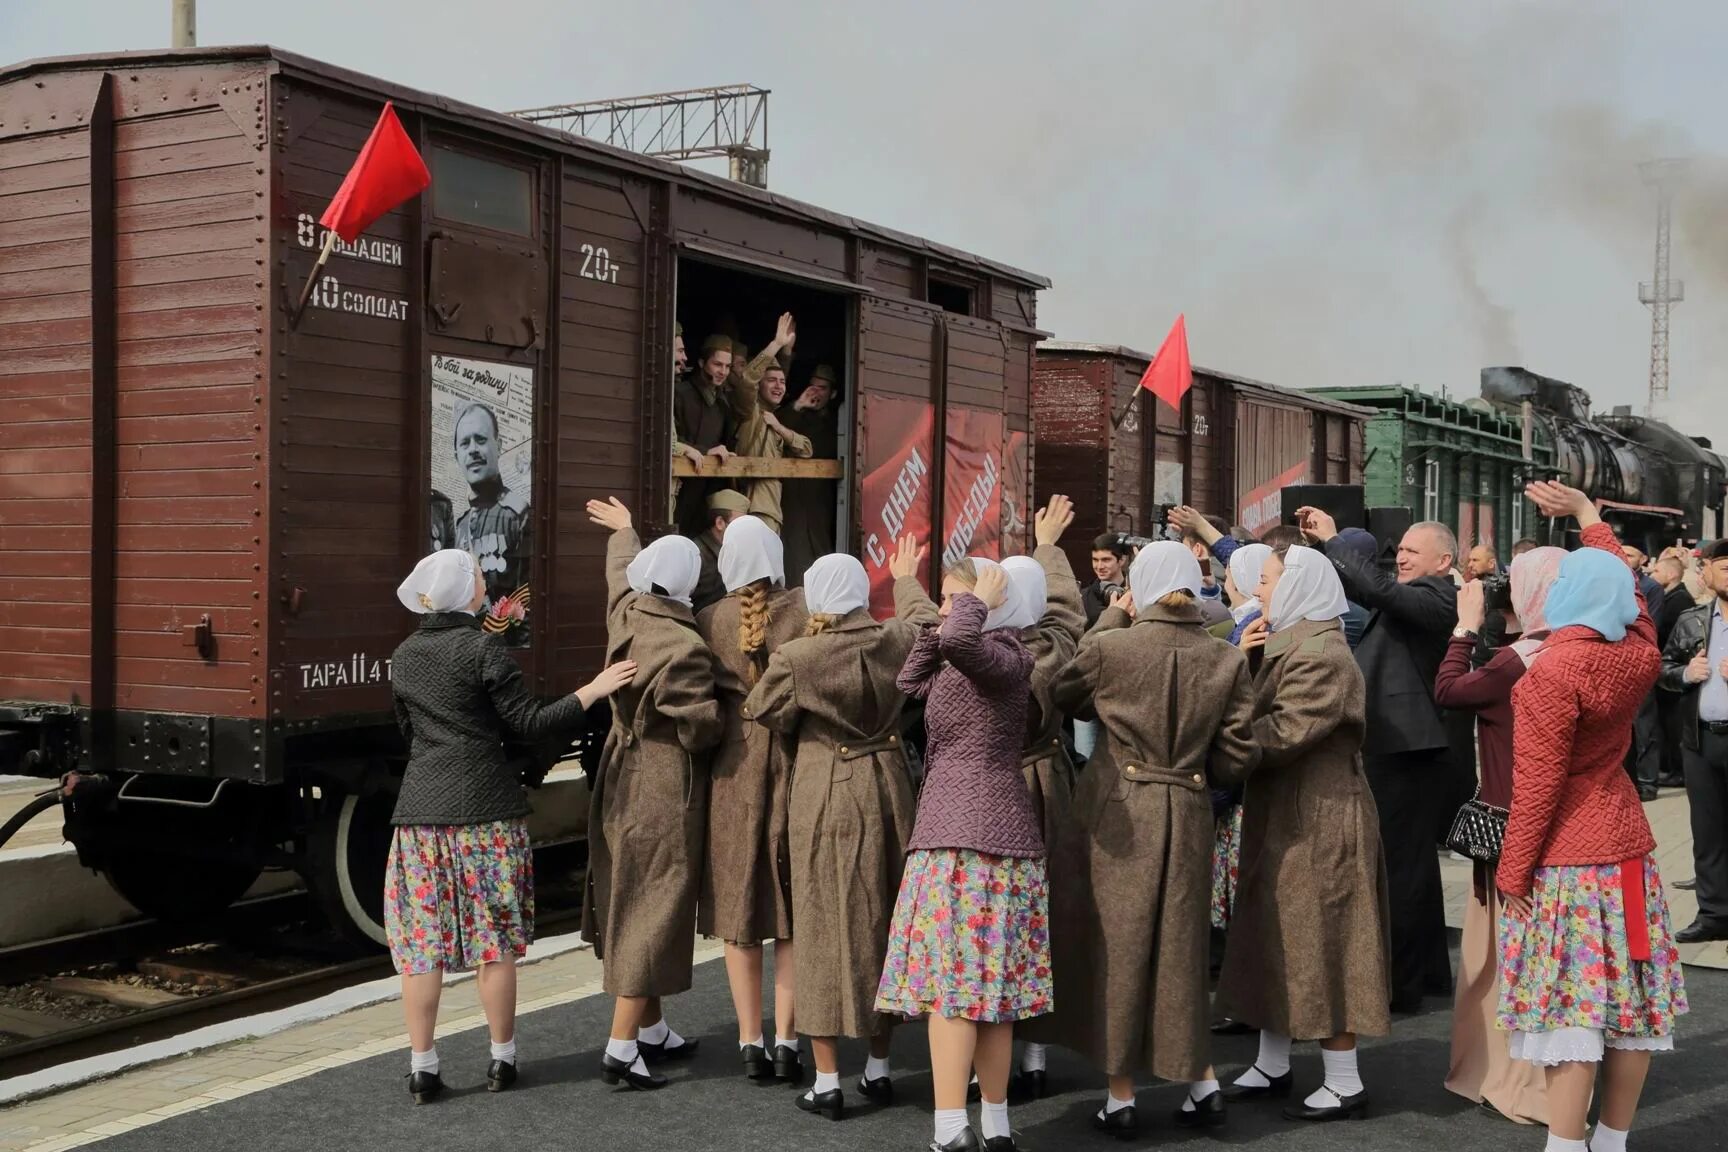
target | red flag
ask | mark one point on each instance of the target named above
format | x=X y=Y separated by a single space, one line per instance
x=1170 y=375
x=387 y=172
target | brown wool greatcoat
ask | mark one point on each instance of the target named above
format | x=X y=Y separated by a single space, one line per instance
x=1052 y=642
x=1131 y=888
x=746 y=884
x=648 y=815
x=852 y=808
x=1308 y=944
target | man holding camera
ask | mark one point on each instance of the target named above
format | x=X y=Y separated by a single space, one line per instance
x=1695 y=667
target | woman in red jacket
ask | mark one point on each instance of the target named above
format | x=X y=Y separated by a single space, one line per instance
x=1588 y=969
x=1482 y=1071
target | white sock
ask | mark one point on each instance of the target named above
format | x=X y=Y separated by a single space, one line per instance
x=426 y=1061
x=624 y=1051
x=1606 y=1139
x=875 y=1069
x=1341 y=1074
x=827 y=1082
x=747 y=1043
x=1197 y=1092
x=1561 y=1144
x=505 y=1051
x=1111 y=1104
x=1273 y=1060
x=995 y=1120
x=950 y=1122
x=1032 y=1059
x=782 y=1042
x=658 y=1033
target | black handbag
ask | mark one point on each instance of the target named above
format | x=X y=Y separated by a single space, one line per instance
x=1478 y=830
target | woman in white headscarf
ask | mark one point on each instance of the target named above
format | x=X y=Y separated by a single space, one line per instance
x=1306 y=958
x=1174 y=705
x=1241 y=580
x=648 y=814
x=459 y=884
x=832 y=694
x=746 y=890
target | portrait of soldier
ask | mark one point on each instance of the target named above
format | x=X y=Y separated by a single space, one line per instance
x=495 y=527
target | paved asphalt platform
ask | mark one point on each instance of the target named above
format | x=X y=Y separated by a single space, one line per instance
x=560 y=1102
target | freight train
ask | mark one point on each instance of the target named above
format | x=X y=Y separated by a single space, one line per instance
x=210 y=495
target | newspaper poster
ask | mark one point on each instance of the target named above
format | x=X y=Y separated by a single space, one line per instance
x=483 y=480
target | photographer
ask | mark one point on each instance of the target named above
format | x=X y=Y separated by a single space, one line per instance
x=1110 y=556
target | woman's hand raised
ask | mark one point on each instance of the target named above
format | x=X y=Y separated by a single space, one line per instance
x=992 y=587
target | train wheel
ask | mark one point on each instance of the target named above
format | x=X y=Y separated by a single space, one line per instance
x=350 y=844
x=177 y=888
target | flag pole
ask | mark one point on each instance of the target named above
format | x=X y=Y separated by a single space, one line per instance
x=306 y=292
x=1117 y=423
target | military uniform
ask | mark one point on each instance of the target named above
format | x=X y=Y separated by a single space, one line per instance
x=753 y=437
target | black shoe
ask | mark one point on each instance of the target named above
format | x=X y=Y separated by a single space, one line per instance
x=499 y=1076
x=1701 y=930
x=1646 y=792
x=1277 y=1090
x=757 y=1066
x=613 y=1070
x=787 y=1065
x=1207 y=1113
x=1347 y=1108
x=1033 y=1084
x=967 y=1141
x=830 y=1104
x=660 y=1053
x=1123 y=1123
x=1001 y=1144
x=1671 y=780
x=877 y=1091
x=1229 y=1027
x=425 y=1087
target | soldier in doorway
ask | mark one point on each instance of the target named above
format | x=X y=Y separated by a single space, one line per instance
x=809 y=505
x=703 y=424
x=754 y=394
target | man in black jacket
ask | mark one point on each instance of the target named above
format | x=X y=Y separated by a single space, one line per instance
x=1695 y=666
x=1676 y=601
x=1407 y=754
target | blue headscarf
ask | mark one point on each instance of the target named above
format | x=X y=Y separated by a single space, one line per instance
x=1594 y=589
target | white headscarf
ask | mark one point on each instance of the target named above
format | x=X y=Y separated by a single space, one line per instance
x=1160 y=569
x=672 y=562
x=750 y=552
x=441 y=582
x=1013 y=613
x=1308 y=590
x=1245 y=566
x=836 y=585
x=1026 y=577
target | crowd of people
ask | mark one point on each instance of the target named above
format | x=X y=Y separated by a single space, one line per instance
x=734 y=404
x=1219 y=737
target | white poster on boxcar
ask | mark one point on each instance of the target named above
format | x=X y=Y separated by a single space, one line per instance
x=483 y=479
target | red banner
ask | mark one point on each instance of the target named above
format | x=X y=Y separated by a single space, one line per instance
x=896 y=493
x=1260 y=507
x=972 y=486
x=1016 y=495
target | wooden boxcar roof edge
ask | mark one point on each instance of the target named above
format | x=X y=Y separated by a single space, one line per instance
x=415 y=98
x=1276 y=391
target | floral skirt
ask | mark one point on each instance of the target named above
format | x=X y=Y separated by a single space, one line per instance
x=1569 y=982
x=970 y=938
x=1226 y=861
x=458 y=896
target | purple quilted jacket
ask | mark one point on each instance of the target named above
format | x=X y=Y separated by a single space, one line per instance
x=975 y=686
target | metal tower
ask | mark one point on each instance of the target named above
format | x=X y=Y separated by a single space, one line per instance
x=701 y=123
x=1661 y=292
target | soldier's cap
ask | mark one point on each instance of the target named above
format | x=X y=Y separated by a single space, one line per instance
x=678 y=328
x=740 y=353
x=823 y=372
x=726 y=500
x=716 y=343
x=1715 y=550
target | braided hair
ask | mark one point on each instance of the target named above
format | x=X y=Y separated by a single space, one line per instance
x=820 y=622
x=753 y=627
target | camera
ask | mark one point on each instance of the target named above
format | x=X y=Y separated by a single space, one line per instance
x=1497 y=593
x=1109 y=590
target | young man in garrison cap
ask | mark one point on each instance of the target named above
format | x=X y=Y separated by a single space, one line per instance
x=723 y=506
x=809 y=505
x=703 y=425
x=755 y=393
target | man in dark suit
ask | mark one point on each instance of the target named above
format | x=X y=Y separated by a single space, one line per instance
x=1695 y=672
x=1407 y=752
x=1676 y=599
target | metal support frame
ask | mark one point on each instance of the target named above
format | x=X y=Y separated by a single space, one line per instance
x=728 y=122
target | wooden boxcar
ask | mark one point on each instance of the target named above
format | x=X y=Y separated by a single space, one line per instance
x=207 y=500
x=1122 y=454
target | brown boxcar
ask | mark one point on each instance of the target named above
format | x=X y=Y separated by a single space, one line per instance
x=207 y=500
x=1122 y=454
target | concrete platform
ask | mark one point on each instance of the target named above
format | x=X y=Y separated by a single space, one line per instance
x=44 y=892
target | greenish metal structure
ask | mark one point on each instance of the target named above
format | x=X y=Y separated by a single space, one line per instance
x=1464 y=464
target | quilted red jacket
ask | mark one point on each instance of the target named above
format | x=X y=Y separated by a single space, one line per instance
x=1572 y=713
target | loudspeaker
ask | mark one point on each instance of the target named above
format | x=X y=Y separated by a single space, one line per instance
x=1388 y=524
x=1344 y=502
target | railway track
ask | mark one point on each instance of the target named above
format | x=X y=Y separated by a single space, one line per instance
x=153 y=981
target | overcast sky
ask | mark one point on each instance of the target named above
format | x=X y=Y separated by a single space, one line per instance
x=1335 y=191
